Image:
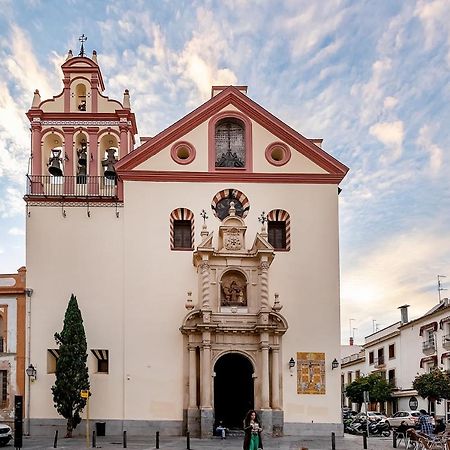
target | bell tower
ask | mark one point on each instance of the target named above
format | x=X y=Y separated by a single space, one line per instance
x=79 y=135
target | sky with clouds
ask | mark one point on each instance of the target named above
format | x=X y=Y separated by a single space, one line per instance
x=371 y=78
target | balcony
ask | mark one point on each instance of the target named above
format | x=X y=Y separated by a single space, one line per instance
x=429 y=346
x=84 y=186
x=379 y=362
x=2 y=344
x=446 y=341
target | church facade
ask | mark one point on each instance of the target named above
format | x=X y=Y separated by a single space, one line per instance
x=205 y=262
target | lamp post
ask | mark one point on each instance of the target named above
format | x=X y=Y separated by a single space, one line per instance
x=334 y=364
x=291 y=365
x=31 y=373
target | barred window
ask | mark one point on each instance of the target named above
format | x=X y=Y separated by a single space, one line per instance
x=181 y=229
x=230 y=143
x=182 y=234
x=277 y=234
x=4 y=387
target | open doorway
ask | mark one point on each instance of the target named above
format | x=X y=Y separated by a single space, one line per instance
x=233 y=390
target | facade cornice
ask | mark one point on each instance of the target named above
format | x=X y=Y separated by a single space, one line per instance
x=238 y=177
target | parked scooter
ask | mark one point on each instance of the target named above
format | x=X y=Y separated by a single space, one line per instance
x=380 y=428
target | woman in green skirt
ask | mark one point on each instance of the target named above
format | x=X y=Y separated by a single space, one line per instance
x=252 y=429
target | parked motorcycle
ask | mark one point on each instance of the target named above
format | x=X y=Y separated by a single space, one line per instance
x=380 y=428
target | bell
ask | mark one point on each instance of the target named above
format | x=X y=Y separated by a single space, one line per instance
x=81 y=176
x=82 y=154
x=54 y=163
x=108 y=163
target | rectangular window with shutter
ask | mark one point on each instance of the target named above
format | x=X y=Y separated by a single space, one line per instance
x=4 y=388
x=277 y=234
x=182 y=237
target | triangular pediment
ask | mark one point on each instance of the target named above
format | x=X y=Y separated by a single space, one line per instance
x=317 y=161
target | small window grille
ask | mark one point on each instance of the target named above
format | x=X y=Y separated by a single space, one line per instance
x=277 y=234
x=4 y=387
x=182 y=235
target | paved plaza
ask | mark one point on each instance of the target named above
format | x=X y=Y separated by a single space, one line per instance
x=139 y=443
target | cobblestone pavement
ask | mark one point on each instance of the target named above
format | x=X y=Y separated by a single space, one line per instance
x=140 y=443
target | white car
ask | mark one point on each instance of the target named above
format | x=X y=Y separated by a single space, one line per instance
x=374 y=416
x=410 y=417
x=5 y=434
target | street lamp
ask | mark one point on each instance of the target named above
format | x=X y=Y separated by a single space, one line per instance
x=291 y=365
x=334 y=364
x=31 y=372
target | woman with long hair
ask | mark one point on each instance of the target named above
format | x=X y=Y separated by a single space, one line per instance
x=252 y=429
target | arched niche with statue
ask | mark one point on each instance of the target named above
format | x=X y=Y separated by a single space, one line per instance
x=233 y=289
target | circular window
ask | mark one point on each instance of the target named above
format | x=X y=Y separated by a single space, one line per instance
x=278 y=153
x=182 y=152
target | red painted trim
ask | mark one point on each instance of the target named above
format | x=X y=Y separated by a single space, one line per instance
x=70 y=66
x=212 y=142
x=247 y=106
x=286 y=154
x=242 y=88
x=238 y=177
x=177 y=146
x=36 y=149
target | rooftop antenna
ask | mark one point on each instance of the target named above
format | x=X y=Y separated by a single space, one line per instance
x=350 y=323
x=440 y=288
x=353 y=329
x=374 y=325
x=82 y=39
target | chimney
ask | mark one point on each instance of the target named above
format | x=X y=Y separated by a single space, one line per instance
x=351 y=340
x=404 y=313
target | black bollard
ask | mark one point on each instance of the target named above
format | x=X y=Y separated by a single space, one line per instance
x=394 y=439
x=157 y=439
x=365 y=440
x=55 y=441
x=125 y=439
x=94 y=440
x=333 y=441
x=188 y=440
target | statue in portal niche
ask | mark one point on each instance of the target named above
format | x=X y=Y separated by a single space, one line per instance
x=234 y=289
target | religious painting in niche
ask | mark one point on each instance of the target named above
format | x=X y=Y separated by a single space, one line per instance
x=230 y=143
x=310 y=373
x=233 y=289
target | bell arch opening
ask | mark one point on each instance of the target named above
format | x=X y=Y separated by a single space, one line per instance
x=233 y=390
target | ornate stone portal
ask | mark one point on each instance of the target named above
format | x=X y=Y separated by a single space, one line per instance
x=232 y=315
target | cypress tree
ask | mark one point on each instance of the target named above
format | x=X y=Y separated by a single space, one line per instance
x=71 y=368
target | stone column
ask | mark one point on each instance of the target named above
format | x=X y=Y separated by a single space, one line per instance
x=193 y=413
x=93 y=186
x=204 y=268
x=265 y=375
x=264 y=267
x=275 y=378
x=192 y=378
x=123 y=147
x=36 y=150
x=69 y=184
x=206 y=411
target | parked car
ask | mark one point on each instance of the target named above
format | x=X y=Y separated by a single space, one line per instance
x=5 y=434
x=410 y=417
x=373 y=416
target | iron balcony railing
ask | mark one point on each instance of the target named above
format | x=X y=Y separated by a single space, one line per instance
x=71 y=186
x=2 y=344
x=429 y=344
x=446 y=340
x=379 y=362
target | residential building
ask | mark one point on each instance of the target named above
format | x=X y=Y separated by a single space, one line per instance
x=403 y=350
x=12 y=341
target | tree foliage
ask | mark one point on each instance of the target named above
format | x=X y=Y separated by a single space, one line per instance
x=71 y=369
x=377 y=386
x=433 y=385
